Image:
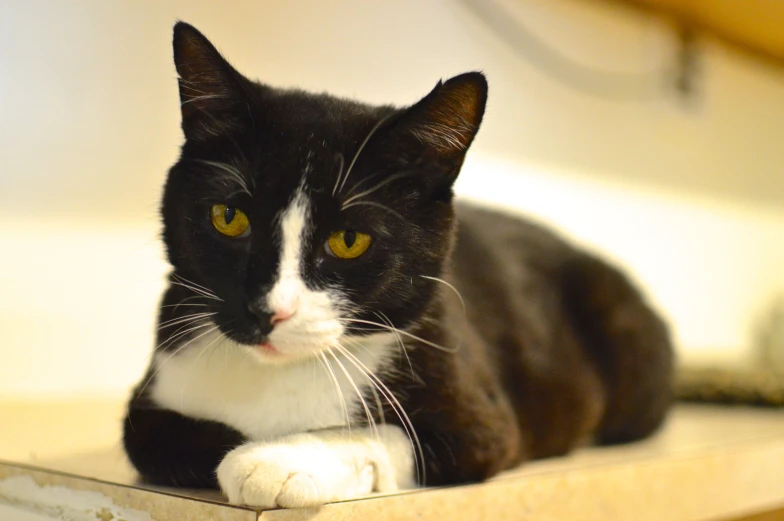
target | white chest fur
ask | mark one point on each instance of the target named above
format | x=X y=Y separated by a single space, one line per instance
x=227 y=384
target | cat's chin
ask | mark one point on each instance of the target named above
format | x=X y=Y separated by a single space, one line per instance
x=267 y=354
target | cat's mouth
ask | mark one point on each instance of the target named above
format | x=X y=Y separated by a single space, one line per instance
x=268 y=349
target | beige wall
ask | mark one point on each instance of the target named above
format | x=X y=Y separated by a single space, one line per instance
x=688 y=196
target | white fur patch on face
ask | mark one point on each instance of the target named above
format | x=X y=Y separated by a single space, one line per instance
x=311 y=469
x=309 y=320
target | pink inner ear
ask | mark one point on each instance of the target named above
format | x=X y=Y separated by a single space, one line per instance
x=452 y=117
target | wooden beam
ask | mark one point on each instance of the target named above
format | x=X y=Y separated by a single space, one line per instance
x=753 y=26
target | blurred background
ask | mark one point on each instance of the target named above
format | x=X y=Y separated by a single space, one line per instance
x=648 y=130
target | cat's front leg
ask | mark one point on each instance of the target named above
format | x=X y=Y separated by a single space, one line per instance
x=315 y=468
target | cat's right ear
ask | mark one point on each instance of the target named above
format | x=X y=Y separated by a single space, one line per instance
x=212 y=98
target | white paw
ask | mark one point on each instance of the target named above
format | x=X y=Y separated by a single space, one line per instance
x=298 y=471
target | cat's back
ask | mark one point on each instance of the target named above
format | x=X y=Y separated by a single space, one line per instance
x=569 y=316
x=489 y=239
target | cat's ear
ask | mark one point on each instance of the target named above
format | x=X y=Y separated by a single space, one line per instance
x=211 y=93
x=446 y=121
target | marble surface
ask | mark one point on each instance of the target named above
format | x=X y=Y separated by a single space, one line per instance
x=707 y=463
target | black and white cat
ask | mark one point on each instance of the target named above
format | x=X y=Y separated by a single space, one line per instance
x=335 y=325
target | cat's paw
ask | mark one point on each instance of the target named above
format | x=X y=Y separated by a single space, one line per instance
x=300 y=471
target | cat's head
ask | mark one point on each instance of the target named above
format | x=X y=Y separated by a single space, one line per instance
x=308 y=218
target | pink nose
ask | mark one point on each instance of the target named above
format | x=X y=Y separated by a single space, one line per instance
x=281 y=316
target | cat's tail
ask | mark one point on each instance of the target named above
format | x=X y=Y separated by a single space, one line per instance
x=628 y=341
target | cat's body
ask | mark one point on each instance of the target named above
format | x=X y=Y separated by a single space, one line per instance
x=455 y=345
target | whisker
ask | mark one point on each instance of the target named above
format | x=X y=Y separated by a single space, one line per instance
x=188 y=281
x=192 y=284
x=450 y=286
x=340 y=171
x=180 y=333
x=231 y=170
x=375 y=204
x=378 y=186
x=361 y=147
x=198 y=291
x=326 y=364
x=371 y=421
x=402 y=346
x=186 y=318
x=200 y=98
x=404 y=333
x=183 y=302
x=193 y=364
x=397 y=408
x=172 y=355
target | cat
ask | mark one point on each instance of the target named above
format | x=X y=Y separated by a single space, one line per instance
x=335 y=324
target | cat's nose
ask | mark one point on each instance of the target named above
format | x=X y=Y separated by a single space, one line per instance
x=282 y=315
x=267 y=319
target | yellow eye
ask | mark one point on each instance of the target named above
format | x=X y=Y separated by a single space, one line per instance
x=347 y=244
x=229 y=220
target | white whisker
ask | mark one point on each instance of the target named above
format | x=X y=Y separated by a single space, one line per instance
x=450 y=286
x=194 y=284
x=371 y=421
x=402 y=346
x=180 y=333
x=340 y=172
x=378 y=186
x=196 y=288
x=404 y=333
x=186 y=318
x=327 y=365
x=193 y=364
x=171 y=355
x=200 y=98
x=377 y=205
x=361 y=147
x=232 y=171
x=397 y=408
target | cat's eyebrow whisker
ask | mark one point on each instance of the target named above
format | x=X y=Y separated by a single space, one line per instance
x=450 y=286
x=377 y=205
x=340 y=172
x=323 y=358
x=378 y=186
x=404 y=333
x=361 y=147
x=397 y=408
x=232 y=171
x=365 y=180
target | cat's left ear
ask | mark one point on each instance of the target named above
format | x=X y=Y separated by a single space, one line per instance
x=212 y=97
x=445 y=122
